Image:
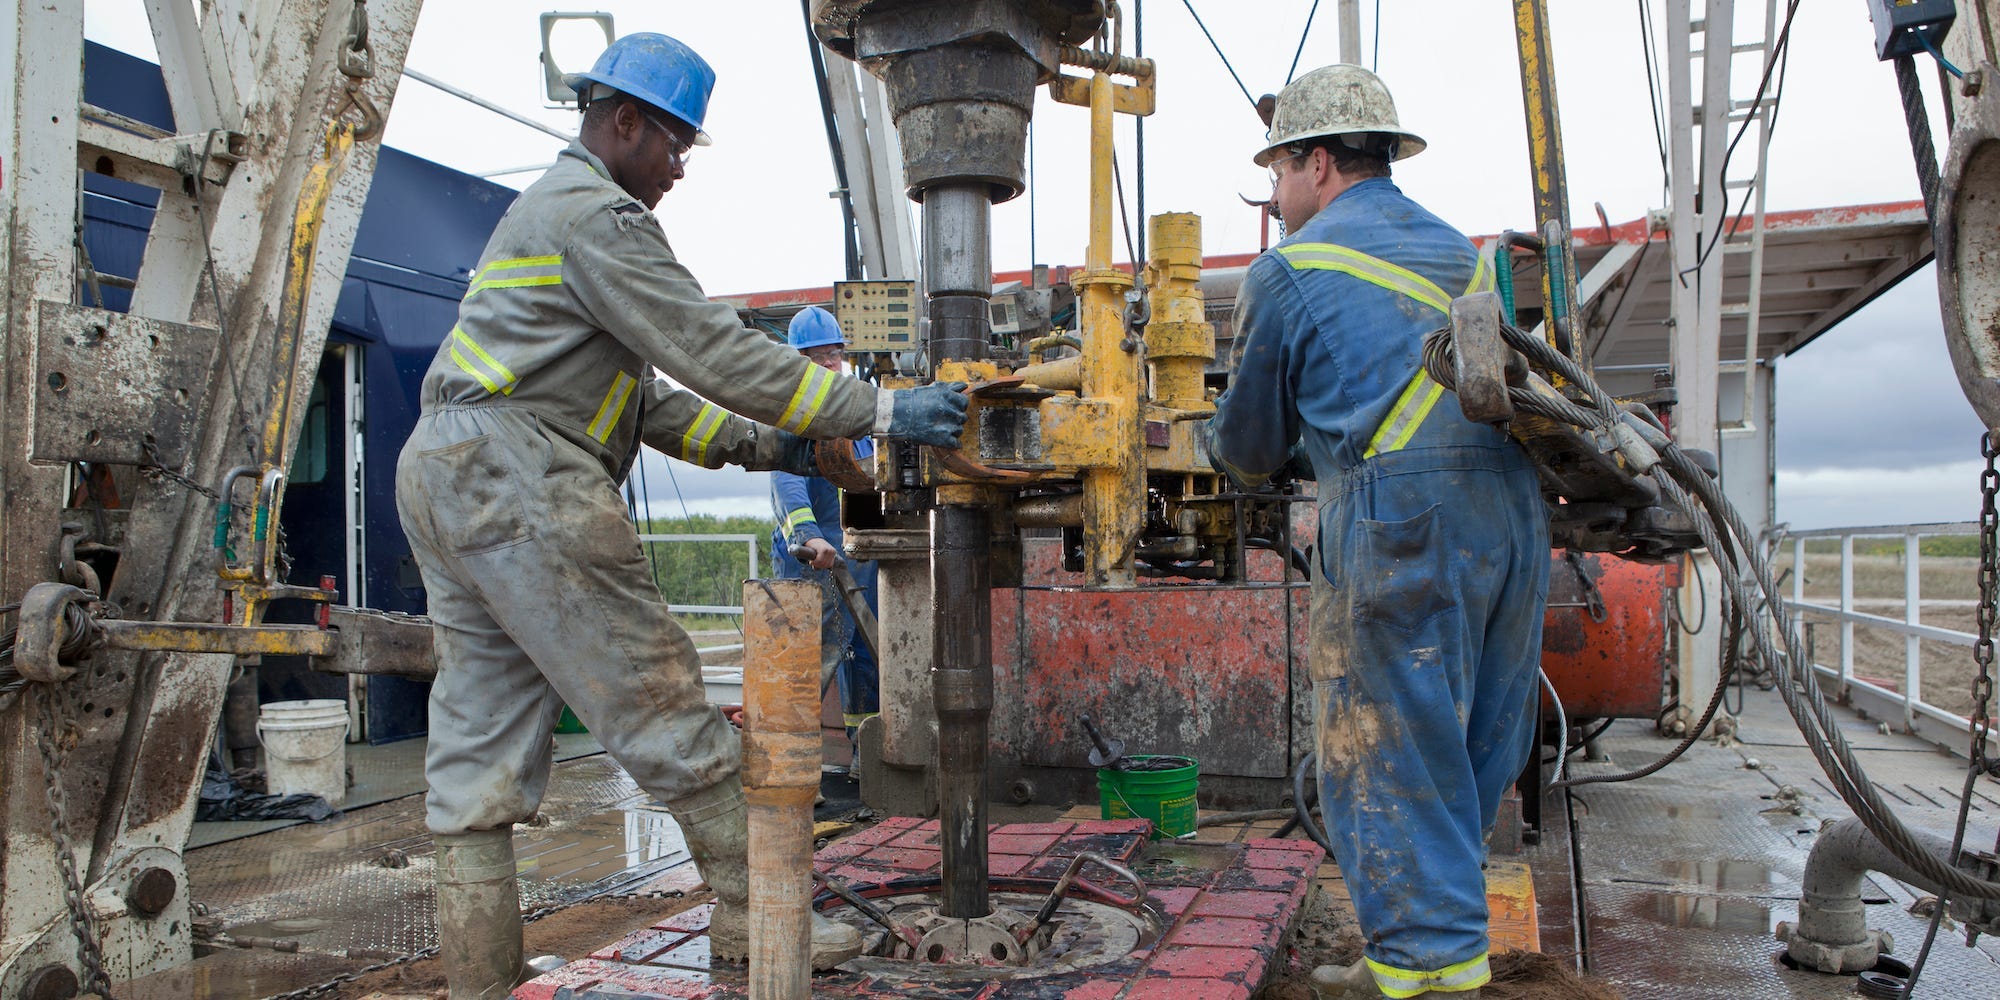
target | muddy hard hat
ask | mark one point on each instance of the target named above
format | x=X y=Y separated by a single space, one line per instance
x=1341 y=99
x=654 y=68
x=813 y=327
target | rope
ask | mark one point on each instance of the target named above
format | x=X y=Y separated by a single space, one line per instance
x=1918 y=120
x=1301 y=50
x=1189 y=4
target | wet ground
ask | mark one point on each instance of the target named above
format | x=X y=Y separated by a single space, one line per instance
x=1665 y=887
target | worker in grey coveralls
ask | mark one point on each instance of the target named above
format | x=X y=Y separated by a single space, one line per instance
x=533 y=410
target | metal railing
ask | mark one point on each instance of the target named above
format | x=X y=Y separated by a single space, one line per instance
x=749 y=543
x=1877 y=700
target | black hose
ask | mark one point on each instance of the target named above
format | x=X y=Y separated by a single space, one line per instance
x=1302 y=807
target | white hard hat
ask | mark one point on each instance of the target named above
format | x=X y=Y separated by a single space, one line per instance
x=1341 y=99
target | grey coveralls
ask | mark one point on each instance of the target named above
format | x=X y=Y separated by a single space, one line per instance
x=533 y=411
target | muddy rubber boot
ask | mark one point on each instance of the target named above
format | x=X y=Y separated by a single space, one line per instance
x=479 y=914
x=1347 y=982
x=1355 y=982
x=717 y=828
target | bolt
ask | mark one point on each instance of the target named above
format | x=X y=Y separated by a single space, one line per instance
x=50 y=982
x=152 y=892
x=1022 y=791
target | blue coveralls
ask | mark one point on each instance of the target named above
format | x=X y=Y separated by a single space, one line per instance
x=1433 y=540
x=809 y=507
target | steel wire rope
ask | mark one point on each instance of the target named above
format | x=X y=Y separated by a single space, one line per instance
x=1375 y=61
x=1979 y=728
x=1307 y=30
x=1189 y=4
x=1687 y=487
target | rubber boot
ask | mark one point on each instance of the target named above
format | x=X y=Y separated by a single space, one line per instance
x=717 y=828
x=479 y=914
x=1355 y=982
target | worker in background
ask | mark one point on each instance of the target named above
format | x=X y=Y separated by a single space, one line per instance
x=532 y=413
x=808 y=512
x=1433 y=539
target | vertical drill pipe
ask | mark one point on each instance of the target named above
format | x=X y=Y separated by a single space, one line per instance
x=1179 y=341
x=1113 y=494
x=958 y=273
x=962 y=683
x=1547 y=169
x=1350 y=32
x=781 y=752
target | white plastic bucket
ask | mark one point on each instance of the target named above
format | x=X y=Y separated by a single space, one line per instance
x=305 y=748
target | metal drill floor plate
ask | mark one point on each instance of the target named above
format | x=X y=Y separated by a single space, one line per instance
x=1222 y=911
x=327 y=888
x=1684 y=875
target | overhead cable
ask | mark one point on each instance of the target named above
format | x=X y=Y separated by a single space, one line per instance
x=1189 y=4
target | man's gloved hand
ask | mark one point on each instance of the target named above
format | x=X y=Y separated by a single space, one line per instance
x=929 y=414
x=795 y=454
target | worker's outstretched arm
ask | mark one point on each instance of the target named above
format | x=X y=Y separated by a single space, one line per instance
x=621 y=269
x=1257 y=421
x=683 y=425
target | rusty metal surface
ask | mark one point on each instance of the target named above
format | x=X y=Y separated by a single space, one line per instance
x=1685 y=874
x=377 y=642
x=1616 y=668
x=119 y=389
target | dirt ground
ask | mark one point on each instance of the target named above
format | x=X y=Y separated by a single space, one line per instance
x=1327 y=935
x=576 y=931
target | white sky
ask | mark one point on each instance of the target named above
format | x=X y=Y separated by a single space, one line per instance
x=754 y=213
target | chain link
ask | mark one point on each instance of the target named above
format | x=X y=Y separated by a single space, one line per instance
x=1989 y=596
x=59 y=735
x=153 y=470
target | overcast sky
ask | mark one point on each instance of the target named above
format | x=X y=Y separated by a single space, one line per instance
x=1871 y=425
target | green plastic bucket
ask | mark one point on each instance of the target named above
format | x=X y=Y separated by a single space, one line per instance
x=1164 y=796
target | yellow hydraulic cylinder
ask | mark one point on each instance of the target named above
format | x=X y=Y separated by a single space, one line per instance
x=1179 y=341
x=1114 y=489
x=781 y=754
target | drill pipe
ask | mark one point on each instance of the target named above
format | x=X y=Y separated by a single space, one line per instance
x=958 y=274
x=962 y=683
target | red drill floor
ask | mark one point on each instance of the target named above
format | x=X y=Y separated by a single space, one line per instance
x=1225 y=917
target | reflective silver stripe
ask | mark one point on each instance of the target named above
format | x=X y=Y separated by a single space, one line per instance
x=1407 y=415
x=473 y=359
x=613 y=407
x=694 y=443
x=1374 y=270
x=1400 y=983
x=1482 y=275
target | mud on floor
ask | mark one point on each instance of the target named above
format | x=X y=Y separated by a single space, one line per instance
x=571 y=933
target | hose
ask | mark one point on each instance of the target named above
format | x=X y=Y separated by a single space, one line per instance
x=1747 y=583
x=1302 y=808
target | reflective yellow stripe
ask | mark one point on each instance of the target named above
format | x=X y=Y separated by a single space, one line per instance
x=496 y=377
x=1399 y=983
x=1374 y=270
x=694 y=444
x=613 y=407
x=550 y=267
x=854 y=719
x=1406 y=416
x=806 y=400
x=1482 y=276
x=795 y=519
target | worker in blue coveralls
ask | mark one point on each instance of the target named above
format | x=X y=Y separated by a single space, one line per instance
x=808 y=512
x=1433 y=537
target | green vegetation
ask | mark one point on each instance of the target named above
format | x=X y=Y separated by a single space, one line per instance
x=1929 y=545
x=706 y=572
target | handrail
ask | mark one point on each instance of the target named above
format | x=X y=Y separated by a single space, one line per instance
x=1917 y=716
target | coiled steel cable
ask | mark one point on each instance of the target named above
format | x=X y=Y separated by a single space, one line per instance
x=1721 y=528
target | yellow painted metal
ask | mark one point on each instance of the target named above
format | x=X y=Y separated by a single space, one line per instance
x=208 y=637
x=1061 y=374
x=1114 y=492
x=1134 y=99
x=1179 y=341
x=1545 y=152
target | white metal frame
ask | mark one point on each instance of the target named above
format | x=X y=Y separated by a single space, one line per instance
x=1906 y=708
x=750 y=548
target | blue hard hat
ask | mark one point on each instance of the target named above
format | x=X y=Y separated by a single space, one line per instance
x=654 y=68
x=813 y=327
